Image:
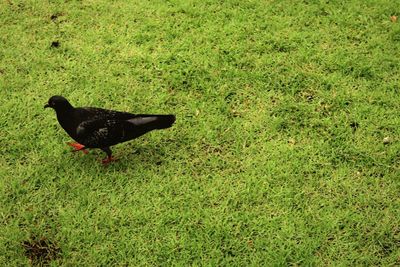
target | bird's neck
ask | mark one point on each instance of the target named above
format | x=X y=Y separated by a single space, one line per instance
x=65 y=118
x=64 y=112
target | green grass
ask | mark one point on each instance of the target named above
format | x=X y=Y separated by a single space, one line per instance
x=277 y=156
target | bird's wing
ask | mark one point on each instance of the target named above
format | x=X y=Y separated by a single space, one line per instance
x=100 y=132
x=141 y=120
x=102 y=128
x=100 y=113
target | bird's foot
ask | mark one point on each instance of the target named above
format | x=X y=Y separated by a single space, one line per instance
x=108 y=160
x=77 y=147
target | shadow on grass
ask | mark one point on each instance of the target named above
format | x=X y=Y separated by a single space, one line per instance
x=41 y=251
x=127 y=156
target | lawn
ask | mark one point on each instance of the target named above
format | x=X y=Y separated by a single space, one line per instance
x=286 y=148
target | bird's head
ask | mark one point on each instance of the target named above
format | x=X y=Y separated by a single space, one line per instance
x=58 y=103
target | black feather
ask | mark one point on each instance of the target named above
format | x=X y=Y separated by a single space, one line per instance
x=101 y=128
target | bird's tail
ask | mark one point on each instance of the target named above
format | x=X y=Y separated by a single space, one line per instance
x=163 y=121
x=142 y=124
x=145 y=123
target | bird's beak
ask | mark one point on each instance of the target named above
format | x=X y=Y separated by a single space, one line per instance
x=46 y=106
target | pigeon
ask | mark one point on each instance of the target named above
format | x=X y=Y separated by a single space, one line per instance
x=100 y=128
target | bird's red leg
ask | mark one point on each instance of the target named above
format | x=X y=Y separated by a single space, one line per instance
x=108 y=160
x=77 y=147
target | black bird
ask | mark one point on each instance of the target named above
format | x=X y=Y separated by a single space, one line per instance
x=102 y=128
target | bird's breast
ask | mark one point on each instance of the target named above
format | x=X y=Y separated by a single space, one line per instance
x=69 y=123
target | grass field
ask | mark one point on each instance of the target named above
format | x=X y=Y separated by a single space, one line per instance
x=286 y=149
